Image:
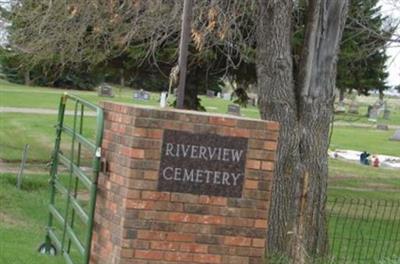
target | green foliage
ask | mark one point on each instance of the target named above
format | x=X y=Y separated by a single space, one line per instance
x=10 y=68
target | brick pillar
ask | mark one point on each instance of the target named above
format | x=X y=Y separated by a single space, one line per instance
x=136 y=223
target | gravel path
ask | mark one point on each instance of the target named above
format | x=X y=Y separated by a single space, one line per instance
x=40 y=111
x=46 y=111
x=30 y=168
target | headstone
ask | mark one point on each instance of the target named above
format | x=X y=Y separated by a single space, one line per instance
x=226 y=96
x=382 y=127
x=141 y=95
x=210 y=93
x=353 y=108
x=396 y=136
x=340 y=108
x=163 y=99
x=380 y=106
x=219 y=95
x=373 y=114
x=234 y=109
x=105 y=90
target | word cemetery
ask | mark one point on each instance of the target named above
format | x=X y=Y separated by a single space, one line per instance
x=211 y=167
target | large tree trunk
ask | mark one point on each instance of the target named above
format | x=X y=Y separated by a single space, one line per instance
x=27 y=78
x=303 y=104
x=277 y=100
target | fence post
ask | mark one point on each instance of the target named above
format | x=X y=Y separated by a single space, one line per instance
x=22 y=166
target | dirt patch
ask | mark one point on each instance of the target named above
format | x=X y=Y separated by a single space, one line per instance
x=356 y=189
x=84 y=196
x=380 y=186
x=12 y=221
x=30 y=168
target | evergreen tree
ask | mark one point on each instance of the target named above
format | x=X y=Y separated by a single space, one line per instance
x=361 y=64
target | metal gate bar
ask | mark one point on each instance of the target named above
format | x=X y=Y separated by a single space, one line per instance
x=76 y=175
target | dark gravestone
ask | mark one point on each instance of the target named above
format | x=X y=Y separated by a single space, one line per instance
x=210 y=93
x=105 y=90
x=373 y=114
x=382 y=127
x=396 y=136
x=202 y=164
x=234 y=109
x=141 y=95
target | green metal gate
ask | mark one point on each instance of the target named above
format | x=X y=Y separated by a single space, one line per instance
x=70 y=223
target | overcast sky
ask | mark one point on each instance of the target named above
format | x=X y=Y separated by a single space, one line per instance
x=391 y=8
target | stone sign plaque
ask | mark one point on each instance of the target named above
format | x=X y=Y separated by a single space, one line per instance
x=202 y=164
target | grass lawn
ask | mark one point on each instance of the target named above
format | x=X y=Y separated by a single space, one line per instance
x=12 y=95
x=23 y=217
x=364 y=101
x=17 y=129
x=23 y=213
x=370 y=139
x=365 y=210
x=38 y=131
x=353 y=180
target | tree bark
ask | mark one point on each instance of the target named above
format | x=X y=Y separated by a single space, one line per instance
x=122 y=77
x=27 y=78
x=303 y=104
x=184 y=50
x=277 y=101
x=341 y=94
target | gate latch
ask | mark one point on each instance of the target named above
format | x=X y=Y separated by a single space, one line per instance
x=104 y=166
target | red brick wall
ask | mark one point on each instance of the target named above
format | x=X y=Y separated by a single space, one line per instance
x=134 y=223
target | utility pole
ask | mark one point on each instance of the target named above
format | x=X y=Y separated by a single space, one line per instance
x=183 y=50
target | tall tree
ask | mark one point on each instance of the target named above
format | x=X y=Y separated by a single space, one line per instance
x=362 y=59
x=301 y=101
x=139 y=35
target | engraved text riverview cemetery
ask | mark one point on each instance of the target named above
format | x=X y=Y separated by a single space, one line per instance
x=202 y=164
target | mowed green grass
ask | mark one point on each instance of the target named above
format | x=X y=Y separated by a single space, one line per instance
x=38 y=131
x=364 y=204
x=393 y=104
x=17 y=129
x=346 y=179
x=23 y=215
x=369 y=139
x=13 y=95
